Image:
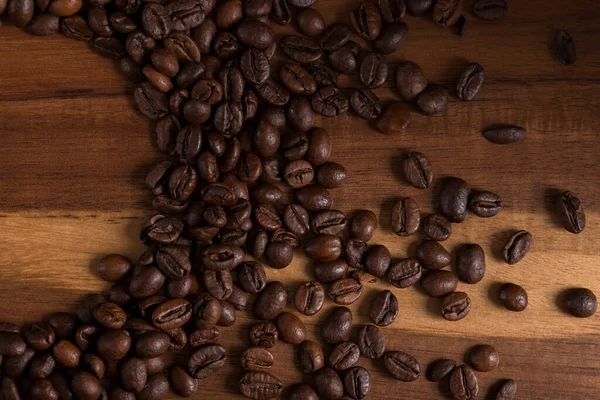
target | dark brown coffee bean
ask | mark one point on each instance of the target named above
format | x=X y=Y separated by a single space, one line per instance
x=255 y=34
x=182 y=182
x=98 y=22
x=463 y=383
x=310 y=356
x=271 y=301
x=513 y=296
x=331 y=222
x=67 y=354
x=296 y=219
x=392 y=10
x=300 y=49
x=447 y=12
x=264 y=334
x=134 y=374
x=110 y=315
x=334 y=37
x=206 y=360
x=517 y=246
x=228 y=13
x=410 y=80
x=85 y=310
x=257 y=8
x=281 y=12
x=439 y=283
x=454 y=200
x=455 y=306
x=291 y=328
x=294 y=145
x=337 y=326
x=279 y=255
x=40 y=336
x=355 y=251
x=329 y=102
x=564 y=46
x=331 y=175
x=252 y=277
x=484 y=357
x=266 y=193
x=266 y=217
x=201 y=337
x=579 y=302
x=222 y=257
x=172 y=314
x=345 y=291
x=208 y=91
x=309 y=298
x=470 y=82
x=228 y=314
x=406 y=217
x=437 y=227
x=440 y=369
x=151 y=344
x=404 y=273
x=371 y=342
x=218 y=283
x=504 y=134
x=323 y=248
x=433 y=100
x=327 y=272
x=298 y=173
x=366 y=21
x=570 y=211
x=112 y=47
x=140 y=46
x=182 y=383
x=300 y=114
x=344 y=59
x=177 y=100
x=310 y=22
x=121 y=22
x=490 y=10
x=257 y=359
x=43 y=24
x=173 y=262
x=365 y=104
x=42 y=366
x=75 y=27
x=323 y=74
x=314 y=198
x=485 y=204
x=150 y=101
x=297 y=79
x=507 y=390
x=185 y=49
x=402 y=366
x=470 y=263
x=207 y=310
x=344 y=355
x=273 y=93
x=432 y=255
x=373 y=70
x=62 y=323
x=395 y=119
x=260 y=385
x=363 y=225
x=357 y=382
x=156 y=21
x=384 y=308
x=328 y=383
x=377 y=260
x=391 y=38
x=254 y=64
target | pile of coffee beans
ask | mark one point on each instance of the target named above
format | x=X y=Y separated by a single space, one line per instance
x=238 y=128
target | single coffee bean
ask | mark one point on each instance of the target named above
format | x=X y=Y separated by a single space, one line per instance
x=310 y=22
x=490 y=10
x=182 y=383
x=273 y=93
x=506 y=134
x=439 y=283
x=207 y=310
x=357 y=382
x=11 y=344
x=319 y=147
x=391 y=38
x=447 y=12
x=40 y=336
x=579 y=302
x=260 y=385
x=206 y=360
x=402 y=366
x=281 y=236
x=485 y=204
x=323 y=74
x=455 y=306
x=432 y=255
x=384 y=308
x=377 y=260
x=151 y=344
x=112 y=47
x=298 y=173
x=228 y=13
x=345 y=291
x=314 y=198
x=329 y=102
x=337 y=326
x=327 y=272
x=255 y=34
x=331 y=175
x=160 y=81
x=85 y=386
x=453 y=200
x=201 y=337
x=392 y=10
x=165 y=62
x=344 y=59
x=330 y=222
x=254 y=65
x=172 y=314
x=98 y=22
x=484 y=358
x=134 y=374
x=433 y=100
x=514 y=297
x=297 y=79
x=121 y=22
x=363 y=225
x=291 y=328
x=304 y=391
x=366 y=21
x=222 y=257
x=279 y=255
x=507 y=390
x=208 y=91
x=404 y=273
x=570 y=212
x=238 y=298
x=173 y=262
x=258 y=8
x=294 y=145
x=67 y=354
x=300 y=49
x=310 y=356
x=564 y=46
x=437 y=227
x=419 y=7
x=417 y=170
x=373 y=70
x=309 y=298
x=410 y=80
x=365 y=104
x=300 y=114
x=271 y=301
x=110 y=315
x=228 y=314
x=264 y=334
x=328 y=383
x=323 y=248
x=156 y=21
x=257 y=359
x=252 y=277
x=150 y=101
x=463 y=383
x=406 y=217
x=344 y=355
x=156 y=387
x=44 y=24
x=395 y=119
x=75 y=27
x=62 y=323
x=470 y=263
x=266 y=217
x=334 y=37
x=517 y=246
x=470 y=82
x=266 y=193
x=440 y=369
x=281 y=12
x=355 y=251
x=296 y=219
x=371 y=342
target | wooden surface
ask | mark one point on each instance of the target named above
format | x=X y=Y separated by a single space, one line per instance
x=73 y=154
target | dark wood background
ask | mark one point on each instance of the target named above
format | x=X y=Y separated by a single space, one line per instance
x=74 y=151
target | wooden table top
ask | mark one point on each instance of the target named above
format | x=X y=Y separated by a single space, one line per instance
x=74 y=152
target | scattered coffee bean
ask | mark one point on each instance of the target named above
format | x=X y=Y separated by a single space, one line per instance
x=329 y=102
x=257 y=359
x=417 y=170
x=440 y=369
x=517 y=246
x=404 y=273
x=310 y=22
x=377 y=260
x=455 y=306
x=470 y=263
x=337 y=326
x=447 y=12
x=328 y=383
x=470 y=82
x=323 y=248
x=485 y=204
x=310 y=356
x=570 y=212
x=260 y=385
x=271 y=301
x=406 y=217
x=345 y=291
x=304 y=391
x=484 y=358
x=384 y=308
x=355 y=252
x=365 y=104
x=402 y=366
x=371 y=342
x=564 y=46
x=391 y=38
x=437 y=227
x=432 y=255
x=419 y=7
x=291 y=328
x=439 y=283
x=366 y=21
x=433 y=99
x=463 y=383
x=373 y=70
x=357 y=382
x=580 y=302
x=264 y=334
x=344 y=355
x=363 y=225
x=309 y=298
x=327 y=272
x=395 y=119
x=514 y=297
x=392 y=10
x=507 y=390
x=504 y=134
x=206 y=360
x=410 y=80
x=454 y=199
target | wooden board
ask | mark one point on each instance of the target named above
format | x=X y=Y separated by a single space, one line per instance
x=74 y=151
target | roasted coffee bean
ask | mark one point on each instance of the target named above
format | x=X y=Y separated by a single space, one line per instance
x=291 y=328
x=75 y=27
x=337 y=326
x=404 y=273
x=344 y=59
x=228 y=118
x=281 y=12
x=377 y=260
x=156 y=387
x=314 y=198
x=215 y=216
x=310 y=356
x=298 y=173
x=111 y=345
x=363 y=225
x=186 y=15
x=97 y=18
x=331 y=222
x=42 y=366
x=470 y=82
x=327 y=272
x=67 y=354
x=168 y=205
x=395 y=119
x=447 y=12
x=310 y=22
x=334 y=37
x=432 y=255
x=309 y=298
x=579 y=302
x=62 y=323
x=110 y=315
x=9 y=389
x=134 y=374
x=296 y=219
x=507 y=390
x=300 y=114
x=329 y=102
x=249 y=104
x=440 y=369
x=345 y=291
x=323 y=74
x=266 y=193
x=366 y=21
x=85 y=310
x=304 y=391
x=257 y=359
x=484 y=357
x=228 y=13
x=564 y=46
x=402 y=366
x=453 y=200
x=40 y=336
x=513 y=296
x=410 y=80
x=43 y=24
x=273 y=93
x=201 y=337
x=517 y=246
x=195 y=112
x=184 y=48
x=206 y=360
x=297 y=79
x=257 y=8
x=85 y=386
x=570 y=212
x=271 y=301
x=319 y=147
x=226 y=45
x=156 y=21
x=344 y=355
x=254 y=33
x=384 y=308
x=208 y=91
x=300 y=49
x=148 y=282
x=161 y=229
x=182 y=383
x=484 y=204
x=218 y=283
x=323 y=248
x=178 y=338
x=260 y=385
x=391 y=38
x=455 y=306
x=331 y=175
x=177 y=100
x=357 y=382
x=433 y=100
x=365 y=104
x=232 y=81
x=470 y=263
x=328 y=383
x=406 y=217
x=279 y=255
x=158 y=177
x=281 y=236
x=392 y=10
x=140 y=46
x=463 y=383
x=150 y=101
x=264 y=334
x=152 y=344
x=437 y=227
x=121 y=22
x=173 y=262
x=373 y=70
x=222 y=257
x=355 y=251
x=251 y=277
x=439 y=283
x=294 y=145
x=255 y=66
x=371 y=342
x=207 y=310
x=266 y=217
x=111 y=47
x=490 y=10
x=182 y=182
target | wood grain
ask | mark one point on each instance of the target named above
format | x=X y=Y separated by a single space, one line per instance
x=74 y=151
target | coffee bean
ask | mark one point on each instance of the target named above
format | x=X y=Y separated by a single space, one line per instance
x=323 y=248
x=62 y=323
x=201 y=337
x=40 y=336
x=432 y=255
x=323 y=74
x=437 y=227
x=273 y=93
x=517 y=246
x=391 y=38
x=296 y=219
x=377 y=260
x=11 y=344
x=344 y=59
x=484 y=357
x=402 y=366
x=314 y=198
x=300 y=49
x=334 y=37
x=463 y=383
x=470 y=82
x=440 y=369
x=298 y=173
x=266 y=217
x=75 y=27
x=419 y=7
x=417 y=170
x=344 y=355
x=156 y=387
x=310 y=22
x=150 y=101
x=337 y=326
x=507 y=390
x=570 y=212
x=439 y=283
x=181 y=382
x=384 y=308
x=252 y=277
x=355 y=251
x=328 y=383
x=226 y=45
x=304 y=391
x=410 y=80
x=513 y=296
x=319 y=147
x=404 y=273
x=67 y=354
x=177 y=99
x=406 y=217
x=365 y=104
x=134 y=374
x=260 y=8
x=392 y=10
x=297 y=79
x=564 y=46
x=84 y=386
x=490 y=10
x=470 y=263
x=151 y=344
x=257 y=359
x=260 y=385
x=208 y=91
x=222 y=257
x=264 y=334
x=121 y=22
x=254 y=33
x=357 y=382
x=331 y=222
x=329 y=102
x=110 y=315
x=294 y=145
x=345 y=291
x=206 y=360
x=366 y=21
x=271 y=301
x=9 y=389
x=453 y=199
x=43 y=25
x=455 y=306
x=485 y=204
x=364 y=224
x=395 y=119
x=447 y=12
x=112 y=47
x=327 y=272
x=186 y=50
x=373 y=70
x=281 y=12
x=279 y=255
x=310 y=356
x=459 y=27
x=506 y=134
x=579 y=302
x=371 y=342
x=207 y=310
x=173 y=262
x=291 y=328
x=309 y=298
x=228 y=13
x=433 y=100
x=98 y=22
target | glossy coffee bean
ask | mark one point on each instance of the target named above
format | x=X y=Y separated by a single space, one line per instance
x=331 y=175
x=365 y=104
x=514 y=297
x=402 y=366
x=304 y=391
x=417 y=170
x=260 y=385
x=252 y=277
x=517 y=246
x=439 y=283
x=329 y=101
x=300 y=49
x=432 y=255
x=463 y=383
x=447 y=12
x=391 y=38
x=455 y=306
x=206 y=360
x=484 y=204
x=406 y=217
x=504 y=134
x=392 y=10
x=470 y=82
x=257 y=359
x=279 y=255
x=394 y=119
x=371 y=342
x=384 y=308
x=151 y=344
x=110 y=315
x=373 y=70
x=410 y=80
x=453 y=199
x=433 y=99
x=404 y=273
x=310 y=22
x=331 y=222
x=319 y=147
x=579 y=302
x=40 y=336
x=327 y=272
x=291 y=328
x=570 y=212
x=310 y=356
x=134 y=374
x=363 y=225
x=323 y=248
x=366 y=21
x=357 y=382
x=440 y=369
x=337 y=326
x=309 y=298
x=67 y=354
x=182 y=383
x=328 y=384
x=345 y=291
x=470 y=263
x=264 y=334
x=437 y=227
x=271 y=301
x=484 y=358
x=507 y=390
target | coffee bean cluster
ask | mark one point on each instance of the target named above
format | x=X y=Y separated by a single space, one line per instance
x=238 y=129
